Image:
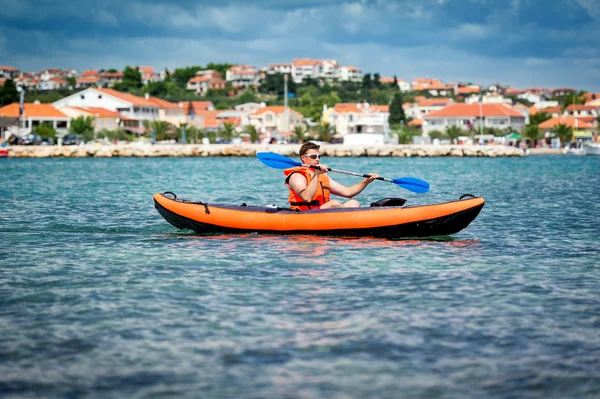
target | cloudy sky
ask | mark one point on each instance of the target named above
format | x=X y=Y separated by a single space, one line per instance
x=523 y=43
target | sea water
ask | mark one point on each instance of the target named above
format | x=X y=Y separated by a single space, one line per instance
x=100 y=297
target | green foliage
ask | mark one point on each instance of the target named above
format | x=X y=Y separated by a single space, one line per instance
x=222 y=105
x=436 y=134
x=367 y=82
x=577 y=98
x=71 y=81
x=405 y=134
x=182 y=75
x=538 y=118
x=8 y=93
x=454 y=132
x=82 y=125
x=227 y=132
x=325 y=132
x=299 y=133
x=564 y=133
x=274 y=84
x=251 y=130
x=532 y=132
x=45 y=130
x=312 y=107
x=132 y=79
x=115 y=135
x=247 y=96
x=162 y=130
x=396 y=110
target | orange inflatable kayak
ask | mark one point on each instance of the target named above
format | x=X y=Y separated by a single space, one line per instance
x=390 y=219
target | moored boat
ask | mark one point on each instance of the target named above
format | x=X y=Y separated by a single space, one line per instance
x=591 y=148
x=386 y=218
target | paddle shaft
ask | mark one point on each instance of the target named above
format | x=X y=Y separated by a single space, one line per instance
x=348 y=173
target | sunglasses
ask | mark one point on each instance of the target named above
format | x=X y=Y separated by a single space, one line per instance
x=313 y=156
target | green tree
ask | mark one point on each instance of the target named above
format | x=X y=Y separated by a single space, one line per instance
x=83 y=125
x=367 y=82
x=251 y=130
x=274 y=84
x=71 y=81
x=564 y=133
x=454 y=132
x=299 y=133
x=227 y=132
x=532 y=132
x=376 y=80
x=45 y=130
x=396 y=111
x=325 y=132
x=395 y=83
x=538 y=118
x=8 y=93
x=132 y=79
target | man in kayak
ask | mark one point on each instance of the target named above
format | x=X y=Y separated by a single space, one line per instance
x=311 y=188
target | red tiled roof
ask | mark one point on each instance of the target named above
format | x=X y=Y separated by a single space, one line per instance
x=163 y=103
x=99 y=112
x=566 y=120
x=135 y=100
x=352 y=107
x=579 y=107
x=276 y=109
x=416 y=122
x=475 y=110
x=432 y=102
x=468 y=90
x=8 y=68
x=33 y=110
x=88 y=79
x=305 y=62
x=90 y=72
x=351 y=68
x=197 y=105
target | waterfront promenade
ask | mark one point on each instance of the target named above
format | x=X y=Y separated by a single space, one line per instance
x=144 y=150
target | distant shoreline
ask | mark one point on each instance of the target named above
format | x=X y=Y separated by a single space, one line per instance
x=250 y=150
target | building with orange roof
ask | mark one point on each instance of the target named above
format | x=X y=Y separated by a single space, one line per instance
x=110 y=78
x=170 y=112
x=35 y=115
x=349 y=73
x=134 y=110
x=566 y=120
x=148 y=74
x=277 y=68
x=273 y=120
x=243 y=76
x=580 y=110
x=205 y=81
x=9 y=72
x=103 y=118
x=53 y=83
x=306 y=68
x=422 y=106
x=594 y=102
x=474 y=116
x=467 y=90
x=84 y=82
x=359 y=123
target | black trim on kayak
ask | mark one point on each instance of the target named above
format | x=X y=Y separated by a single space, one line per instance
x=441 y=226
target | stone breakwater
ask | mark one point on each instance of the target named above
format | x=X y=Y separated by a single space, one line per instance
x=250 y=150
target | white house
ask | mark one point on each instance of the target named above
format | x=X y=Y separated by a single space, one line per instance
x=426 y=105
x=9 y=72
x=275 y=119
x=169 y=112
x=103 y=118
x=205 y=81
x=473 y=116
x=360 y=124
x=53 y=83
x=349 y=74
x=306 y=68
x=530 y=96
x=278 y=68
x=243 y=76
x=133 y=109
x=329 y=70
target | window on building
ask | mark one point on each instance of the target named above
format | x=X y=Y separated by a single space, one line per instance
x=61 y=124
x=99 y=96
x=82 y=96
x=269 y=118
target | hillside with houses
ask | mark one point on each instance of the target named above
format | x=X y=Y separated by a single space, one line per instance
x=289 y=102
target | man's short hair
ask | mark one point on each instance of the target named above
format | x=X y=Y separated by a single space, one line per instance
x=309 y=145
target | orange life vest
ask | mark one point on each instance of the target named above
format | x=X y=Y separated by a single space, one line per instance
x=320 y=197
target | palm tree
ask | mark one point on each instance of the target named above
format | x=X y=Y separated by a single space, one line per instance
x=82 y=124
x=163 y=130
x=454 y=132
x=564 y=133
x=251 y=129
x=228 y=131
x=299 y=133
x=532 y=132
x=325 y=132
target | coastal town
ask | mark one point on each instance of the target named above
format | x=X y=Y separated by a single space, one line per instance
x=306 y=99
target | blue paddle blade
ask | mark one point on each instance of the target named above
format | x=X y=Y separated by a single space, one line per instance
x=276 y=161
x=412 y=184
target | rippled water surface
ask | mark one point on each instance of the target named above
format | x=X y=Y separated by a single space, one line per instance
x=100 y=297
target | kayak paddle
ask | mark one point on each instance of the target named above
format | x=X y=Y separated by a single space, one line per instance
x=279 y=161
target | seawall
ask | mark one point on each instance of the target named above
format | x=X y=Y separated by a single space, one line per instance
x=250 y=150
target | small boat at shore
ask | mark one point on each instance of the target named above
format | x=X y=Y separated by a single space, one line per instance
x=591 y=148
x=385 y=218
